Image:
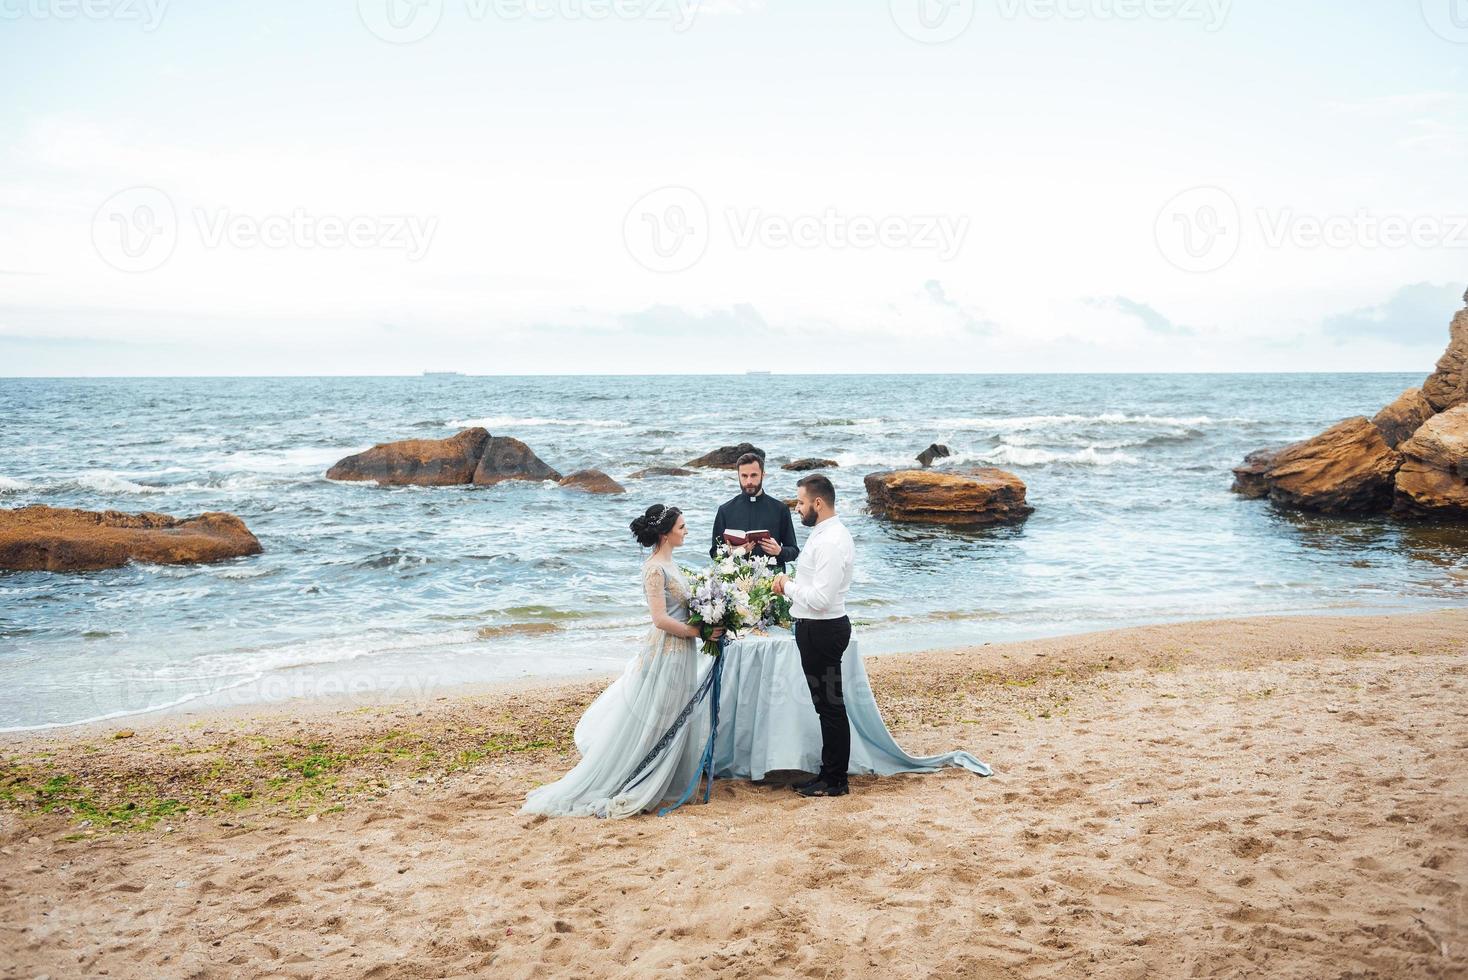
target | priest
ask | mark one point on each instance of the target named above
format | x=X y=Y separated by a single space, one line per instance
x=755 y=510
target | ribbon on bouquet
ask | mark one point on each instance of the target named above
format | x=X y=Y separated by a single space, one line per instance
x=706 y=764
x=709 y=684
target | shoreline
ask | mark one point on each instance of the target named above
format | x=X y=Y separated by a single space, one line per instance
x=220 y=704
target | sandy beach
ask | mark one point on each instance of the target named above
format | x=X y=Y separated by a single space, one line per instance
x=1272 y=797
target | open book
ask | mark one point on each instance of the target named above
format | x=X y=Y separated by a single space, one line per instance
x=735 y=539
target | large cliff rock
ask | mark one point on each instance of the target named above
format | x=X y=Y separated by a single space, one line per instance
x=1347 y=469
x=420 y=462
x=973 y=497
x=56 y=539
x=1355 y=466
x=1433 y=480
x=1448 y=386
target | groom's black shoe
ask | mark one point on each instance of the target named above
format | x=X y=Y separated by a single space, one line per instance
x=807 y=784
x=823 y=788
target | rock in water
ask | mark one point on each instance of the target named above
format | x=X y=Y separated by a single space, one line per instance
x=510 y=459
x=935 y=451
x=973 y=497
x=1249 y=478
x=659 y=471
x=592 y=481
x=725 y=457
x=420 y=462
x=1448 y=386
x=1402 y=417
x=801 y=465
x=1433 y=480
x=1347 y=469
x=55 y=539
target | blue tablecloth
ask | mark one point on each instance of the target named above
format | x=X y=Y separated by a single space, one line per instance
x=767 y=722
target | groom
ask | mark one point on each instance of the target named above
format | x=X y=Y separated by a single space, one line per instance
x=822 y=628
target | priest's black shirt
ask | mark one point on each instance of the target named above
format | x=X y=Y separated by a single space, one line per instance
x=760 y=513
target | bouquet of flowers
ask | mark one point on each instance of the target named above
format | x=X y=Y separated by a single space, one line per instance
x=735 y=593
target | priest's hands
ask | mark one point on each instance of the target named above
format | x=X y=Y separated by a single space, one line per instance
x=769 y=546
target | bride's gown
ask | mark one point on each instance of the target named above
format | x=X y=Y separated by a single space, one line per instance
x=628 y=720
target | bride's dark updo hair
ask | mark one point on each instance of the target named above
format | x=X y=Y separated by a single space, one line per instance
x=656 y=521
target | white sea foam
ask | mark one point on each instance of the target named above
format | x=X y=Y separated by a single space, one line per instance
x=1019 y=423
x=494 y=422
x=7 y=485
x=107 y=482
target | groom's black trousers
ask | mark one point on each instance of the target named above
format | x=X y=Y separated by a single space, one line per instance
x=821 y=643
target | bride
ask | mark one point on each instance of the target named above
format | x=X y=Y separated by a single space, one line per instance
x=642 y=739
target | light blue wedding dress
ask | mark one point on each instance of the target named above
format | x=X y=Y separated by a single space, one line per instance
x=641 y=740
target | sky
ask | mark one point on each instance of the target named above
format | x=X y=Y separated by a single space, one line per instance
x=664 y=186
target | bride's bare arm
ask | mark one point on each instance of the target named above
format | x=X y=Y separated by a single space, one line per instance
x=652 y=580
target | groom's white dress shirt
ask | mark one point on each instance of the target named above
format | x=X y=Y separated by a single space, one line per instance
x=826 y=564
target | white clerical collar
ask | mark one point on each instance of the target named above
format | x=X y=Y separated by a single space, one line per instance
x=755 y=498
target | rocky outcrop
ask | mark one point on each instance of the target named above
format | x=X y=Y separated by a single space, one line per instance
x=1364 y=467
x=592 y=481
x=56 y=539
x=420 y=462
x=1402 y=417
x=1249 y=478
x=510 y=459
x=962 y=497
x=1433 y=480
x=1448 y=386
x=1347 y=469
x=659 y=471
x=725 y=457
x=933 y=452
x=802 y=465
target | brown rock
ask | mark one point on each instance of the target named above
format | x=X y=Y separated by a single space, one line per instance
x=420 y=462
x=510 y=459
x=1448 y=385
x=973 y=497
x=1249 y=478
x=1347 y=469
x=659 y=471
x=725 y=457
x=935 y=451
x=1401 y=418
x=801 y=465
x=1433 y=480
x=55 y=539
x=592 y=481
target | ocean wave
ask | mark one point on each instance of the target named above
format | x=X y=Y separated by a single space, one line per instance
x=1028 y=456
x=106 y=482
x=1020 y=423
x=494 y=422
x=7 y=485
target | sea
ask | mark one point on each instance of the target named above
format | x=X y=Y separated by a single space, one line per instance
x=371 y=591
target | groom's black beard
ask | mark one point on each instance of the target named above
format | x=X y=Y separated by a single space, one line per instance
x=809 y=520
